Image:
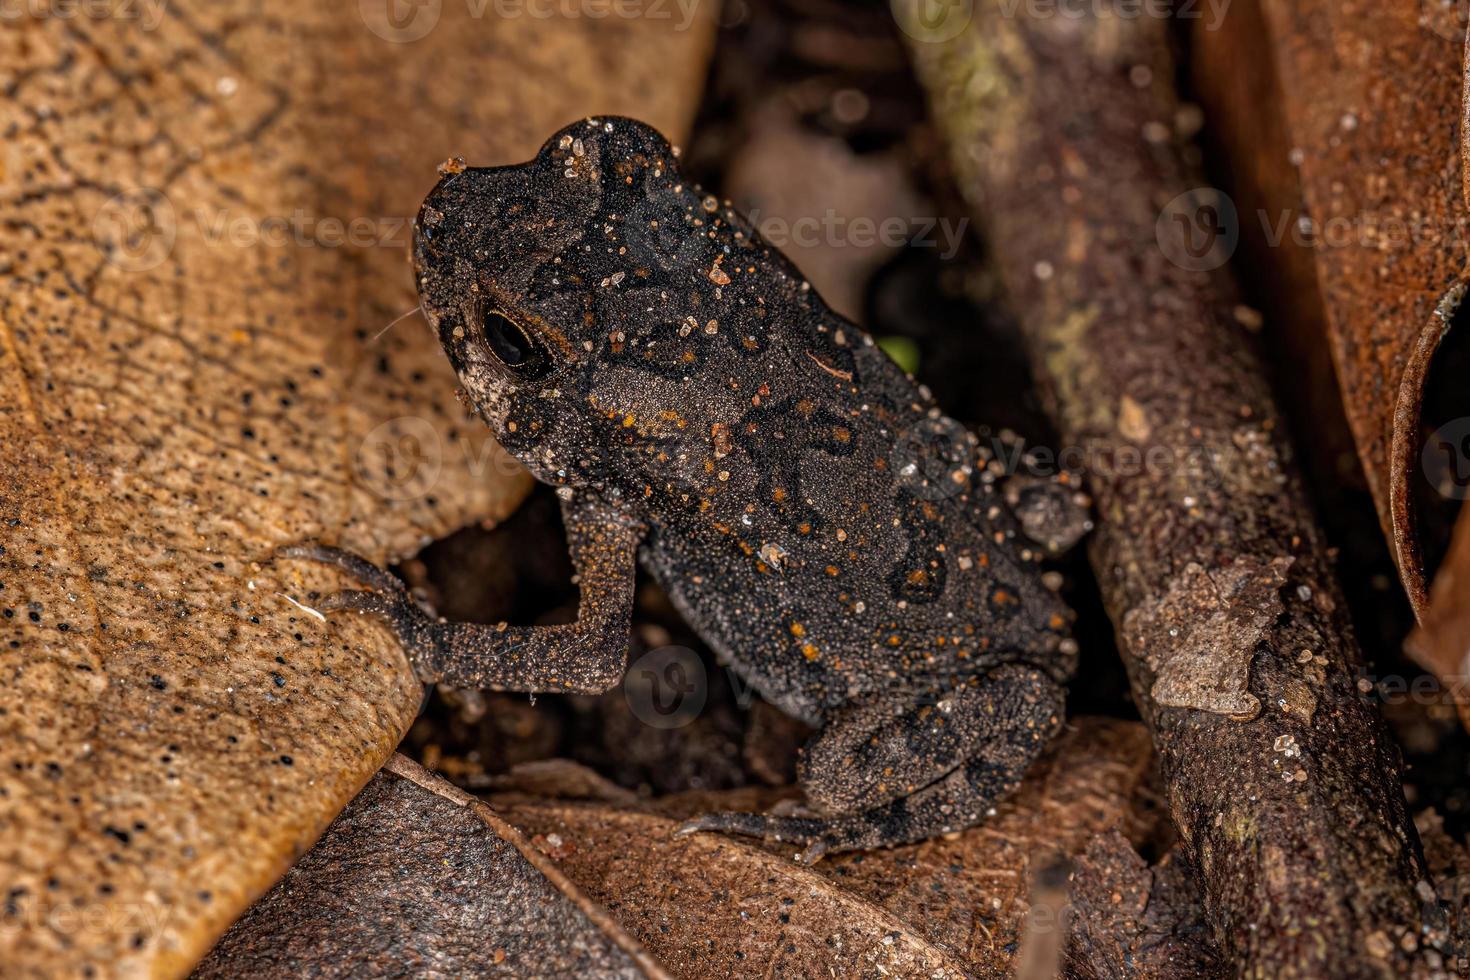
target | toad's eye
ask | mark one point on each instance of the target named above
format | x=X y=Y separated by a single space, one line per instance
x=514 y=346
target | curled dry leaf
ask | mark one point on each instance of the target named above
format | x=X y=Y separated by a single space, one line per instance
x=205 y=228
x=1360 y=183
x=707 y=904
x=414 y=879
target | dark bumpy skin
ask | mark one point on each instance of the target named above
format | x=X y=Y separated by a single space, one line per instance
x=840 y=543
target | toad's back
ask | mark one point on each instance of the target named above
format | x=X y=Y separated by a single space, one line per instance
x=823 y=527
x=636 y=342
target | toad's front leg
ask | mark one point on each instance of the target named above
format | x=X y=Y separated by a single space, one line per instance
x=584 y=657
x=892 y=771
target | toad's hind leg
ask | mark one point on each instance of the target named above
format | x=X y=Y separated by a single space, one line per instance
x=887 y=772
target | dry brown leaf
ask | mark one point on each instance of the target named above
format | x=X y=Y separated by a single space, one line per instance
x=413 y=879
x=713 y=905
x=1442 y=642
x=187 y=380
x=1132 y=921
x=1358 y=167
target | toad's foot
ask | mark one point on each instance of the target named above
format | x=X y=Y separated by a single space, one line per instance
x=388 y=598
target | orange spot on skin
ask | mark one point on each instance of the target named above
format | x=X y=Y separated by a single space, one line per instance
x=798 y=630
x=809 y=651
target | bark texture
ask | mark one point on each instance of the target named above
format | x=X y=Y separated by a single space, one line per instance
x=1279 y=774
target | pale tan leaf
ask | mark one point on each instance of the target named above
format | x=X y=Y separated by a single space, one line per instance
x=188 y=379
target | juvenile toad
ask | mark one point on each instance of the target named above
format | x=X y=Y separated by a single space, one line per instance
x=843 y=546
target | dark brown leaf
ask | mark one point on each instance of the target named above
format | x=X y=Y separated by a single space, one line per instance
x=413 y=880
x=1351 y=124
x=1128 y=920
